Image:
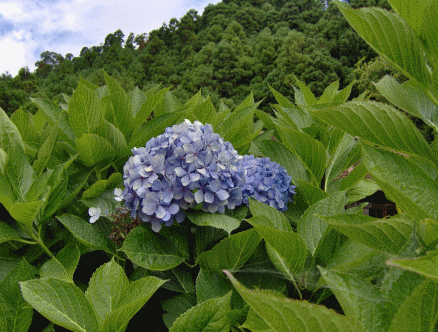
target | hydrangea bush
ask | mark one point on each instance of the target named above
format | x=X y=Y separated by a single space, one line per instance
x=190 y=165
x=229 y=266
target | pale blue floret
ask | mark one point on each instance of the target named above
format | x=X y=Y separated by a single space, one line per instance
x=267 y=182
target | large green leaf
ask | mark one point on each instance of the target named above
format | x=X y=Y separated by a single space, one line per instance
x=308 y=95
x=61 y=302
x=15 y=312
x=8 y=132
x=231 y=253
x=45 y=151
x=286 y=250
x=130 y=302
x=178 y=279
x=176 y=306
x=391 y=37
x=150 y=250
x=25 y=213
x=113 y=135
x=388 y=235
x=107 y=286
x=359 y=300
x=211 y=315
x=282 y=314
x=205 y=111
x=419 y=311
x=25 y=125
x=87 y=233
x=63 y=265
x=93 y=149
x=379 y=124
x=278 y=153
x=85 y=111
x=237 y=122
x=310 y=150
x=206 y=235
x=425 y=265
x=221 y=221
x=7 y=233
x=421 y=17
x=278 y=220
x=122 y=117
x=311 y=228
x=56 y=117
x=403 y=181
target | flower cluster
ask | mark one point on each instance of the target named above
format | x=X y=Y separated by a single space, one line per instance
x=187 y=165
x=267 y=182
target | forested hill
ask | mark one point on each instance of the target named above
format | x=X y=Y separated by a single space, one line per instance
x=233 y=48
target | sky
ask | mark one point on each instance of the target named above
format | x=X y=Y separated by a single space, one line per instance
x=30 y=27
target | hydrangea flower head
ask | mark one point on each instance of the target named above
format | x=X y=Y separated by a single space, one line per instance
x=187 y=165
x=267 y=182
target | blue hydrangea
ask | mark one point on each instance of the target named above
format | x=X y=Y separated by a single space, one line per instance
x=187 y=165
x=267 y=182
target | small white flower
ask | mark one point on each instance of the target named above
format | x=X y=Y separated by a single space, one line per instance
x=118 y=192
x=94 y=213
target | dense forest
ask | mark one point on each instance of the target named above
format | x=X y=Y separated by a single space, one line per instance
x=233 y=48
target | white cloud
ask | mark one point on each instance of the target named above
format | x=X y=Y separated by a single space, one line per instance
x=30 y=27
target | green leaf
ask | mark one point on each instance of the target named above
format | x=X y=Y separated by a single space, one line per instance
x=147 y=108
x=405 y=183
x=286 y=250
x=205 y=111
x=25 y=213
x=63 y=266
x=18 y=170
x=176 y=306
x=211 y=315
x=344 y=94
x=61 y=302
x=25 y=125
x=310 y=150
x=378 y=124
x=86 y=233
x=114 y=136
x=391 y=37
x=100 y=186
x=425 y=265
x=237 y=122
x=359 y=299
x=295 y=118
x=428 y=230
x=150 y=250
x=178 y=280
x=45 y=151
x=123 y=117
x=360 y=190
x=130 y=302
x=231 y=253
x=309 y=97
x=107 y=286
x=278 y=153
x=421 y=17
x=409 y=97
x=7 y=233
x=3 y=161
x=388 y=235
x=212 y=284
x=206 y=235
x=311 y=228
x=282 y=100
x=15 y=312
x=93 y=149
x=137 y=98
x=329 y=93
x=85 y=111
x=8 y=132
x=221 y=221
x=56 y=117
x=153 y=128
x=353 y=177
x=278 y=220
x=418 y=312
x=58 y=190
x=282 y=314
